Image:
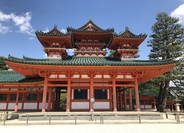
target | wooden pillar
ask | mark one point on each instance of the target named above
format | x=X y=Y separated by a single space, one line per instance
x=49 y=100
x=7 y=100
x=91 y=93
x=53 y=100
x=154 y=105
x=68 y=95
x=38 y=99
x=125 y=99
x=137 y=96
x=44 y=95
x=110 y=97
x=23 y=99
x=121 y=100
x=114 y=94
x=17 y=101
x=130 y=98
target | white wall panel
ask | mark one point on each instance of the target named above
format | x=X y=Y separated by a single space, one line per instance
x=40 y=105
x=80 y=105
x=2 y=106
x=101 y=105
x=30 y=106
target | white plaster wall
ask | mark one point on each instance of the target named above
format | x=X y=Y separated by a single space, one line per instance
x=98 y=76
x=2 y=106
x=101 y=105
x=75 y=76
x=148 y=106
x=80 y=105
x=84 y=76
x=120 y=76
x=30 y=106
x=19 y=105
x=40 y=105
x=62 y=76
x=107 y=76
x=11 y=106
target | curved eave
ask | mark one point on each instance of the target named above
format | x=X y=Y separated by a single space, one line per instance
x=22 y=82
x=91 y=61
x=51 y=34
x=90 y=22
x=30 y=70
x=90 y=32
x=31 y=67
x=118 y=40
x=67 y=38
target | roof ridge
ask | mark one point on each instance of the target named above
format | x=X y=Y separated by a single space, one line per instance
x=127 y=33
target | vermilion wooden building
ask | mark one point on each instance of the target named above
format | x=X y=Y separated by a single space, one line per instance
x=37 y=84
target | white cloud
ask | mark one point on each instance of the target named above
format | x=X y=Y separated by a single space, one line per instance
x=45 y=55
x=4 y=29
x=179 y=13
x=46 y=30
x=70 y=52
x=21 y=21
x=31 y=38
x=4 y=17
x=63 y=30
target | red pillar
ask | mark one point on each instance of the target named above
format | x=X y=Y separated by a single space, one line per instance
x=114 y=94
x=125 y=99
x=130 y=98
x=68 y=94
x=154 y=105
x=120 y=99
x=44 y=95
x=91 y=93
x=49 y=100
x=137 y=96
x=17 y=100
x=7 y=100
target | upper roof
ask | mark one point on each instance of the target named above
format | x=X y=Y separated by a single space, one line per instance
x=128 y=34
x=90 y=26
x=53 y=32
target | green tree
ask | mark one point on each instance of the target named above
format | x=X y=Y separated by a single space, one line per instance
x=2 y=64
x=166 y=42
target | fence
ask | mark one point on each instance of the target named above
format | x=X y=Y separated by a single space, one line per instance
x=88 y=118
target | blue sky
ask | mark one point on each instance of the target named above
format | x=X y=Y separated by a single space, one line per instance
x=19 y=19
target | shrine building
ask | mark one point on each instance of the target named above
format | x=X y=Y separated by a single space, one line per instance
x=90 y=79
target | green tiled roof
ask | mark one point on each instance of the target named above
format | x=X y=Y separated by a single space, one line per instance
x=128 y=34
x=89 y=61
x=9 y=76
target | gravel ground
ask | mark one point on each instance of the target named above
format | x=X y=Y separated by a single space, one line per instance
x=95 y=128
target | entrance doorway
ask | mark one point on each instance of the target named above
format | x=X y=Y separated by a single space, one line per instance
x=60 y=98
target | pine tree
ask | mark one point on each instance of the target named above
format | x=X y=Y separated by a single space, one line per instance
x=2 y=64
x=166 y=42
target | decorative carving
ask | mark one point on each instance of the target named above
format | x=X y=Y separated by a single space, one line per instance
x=44 y=73
x=91 y=74
x=113 y=74
x=69 y=73
x=138 y=74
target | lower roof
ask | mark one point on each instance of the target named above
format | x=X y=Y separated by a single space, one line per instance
x=9 y=76
x=89 y=61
